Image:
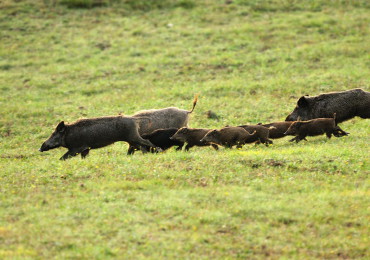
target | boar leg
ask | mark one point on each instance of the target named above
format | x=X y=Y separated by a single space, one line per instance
x=142 y=143
x=328 y=134
x=215 y=146
x=84 y=153
x=266 y=141
x=131 y=150
x=179 y=148
x=188 y=146
x=338 y=132
x=295 y=138
x=298 y=138
x=69 y=154
x=73 y=152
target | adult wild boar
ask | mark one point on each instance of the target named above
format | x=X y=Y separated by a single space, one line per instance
x=153 y=119
x=346 y=105
x=85 y=134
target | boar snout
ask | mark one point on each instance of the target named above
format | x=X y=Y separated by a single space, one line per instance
x=289 y=118
x=43 y=148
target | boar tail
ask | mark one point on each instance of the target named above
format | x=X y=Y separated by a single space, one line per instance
x=194 y=103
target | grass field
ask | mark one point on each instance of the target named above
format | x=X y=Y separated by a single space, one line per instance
x=250 y=61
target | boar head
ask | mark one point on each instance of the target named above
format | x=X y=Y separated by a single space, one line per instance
x=181 y=134
x=294 y=128
x=302 y=110
x=56 y=139
x=211 y=137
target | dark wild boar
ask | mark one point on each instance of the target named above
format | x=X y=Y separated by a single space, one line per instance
x=170 y=117
x=277 y=129
x=228 y=136
x=161 y=138
x=346 y=105
x=261 y=135
x=192 y=136
x=85 y=134
x=314 y=127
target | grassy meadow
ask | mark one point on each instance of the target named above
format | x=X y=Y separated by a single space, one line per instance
x=249 y=61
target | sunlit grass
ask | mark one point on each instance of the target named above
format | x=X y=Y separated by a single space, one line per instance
x=250 y=61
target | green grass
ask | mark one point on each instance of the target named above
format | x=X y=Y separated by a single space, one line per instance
x=250 y=61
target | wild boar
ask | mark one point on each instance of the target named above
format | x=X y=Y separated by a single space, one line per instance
x=86 y=134
x=277 y=129
x=261 y=135
x=170 y=117
x=346 y=105
x=314 y=127
x=228 y=136
x=161 y=138
x=192 y=136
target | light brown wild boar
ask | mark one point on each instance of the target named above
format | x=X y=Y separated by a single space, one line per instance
x=228 y=136
x=192 y=136
x=154 y=119
x=86 y=134
x=314 y=127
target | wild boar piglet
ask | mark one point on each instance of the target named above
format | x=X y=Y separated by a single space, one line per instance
x=228 y=136
x=161 y=138
x=192 y=136
x=314 y=127
x=261 y=135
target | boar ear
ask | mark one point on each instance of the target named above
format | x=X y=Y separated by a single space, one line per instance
x=302 y=102
x=61 y=127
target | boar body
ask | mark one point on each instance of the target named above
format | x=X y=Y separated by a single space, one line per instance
x=192 y=136
x=277 y=129
x=153 y=119
x=161 y=138
x=228 y=136
x=170 y=117
x=261 y=135
x=346 y=105
x=314 y=127
x=86 y=134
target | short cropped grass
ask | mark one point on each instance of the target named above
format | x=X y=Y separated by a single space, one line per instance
x=249 y=61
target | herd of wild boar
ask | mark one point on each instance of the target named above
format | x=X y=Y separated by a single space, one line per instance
x=159 y=129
